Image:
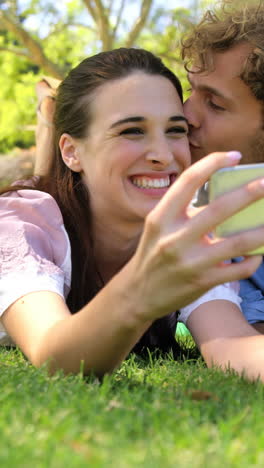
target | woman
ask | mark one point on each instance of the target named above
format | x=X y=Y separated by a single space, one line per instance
x=99 y=255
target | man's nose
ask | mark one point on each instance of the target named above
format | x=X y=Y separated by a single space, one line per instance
x=191 y=113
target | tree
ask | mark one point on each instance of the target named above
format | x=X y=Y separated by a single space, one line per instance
x=40 y=37
x=103 y=21
x=164 y=38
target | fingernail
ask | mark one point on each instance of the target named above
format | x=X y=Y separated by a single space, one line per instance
x=234 y=155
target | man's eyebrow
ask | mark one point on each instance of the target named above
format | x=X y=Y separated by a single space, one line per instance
x=207 y=88
x=173 y=118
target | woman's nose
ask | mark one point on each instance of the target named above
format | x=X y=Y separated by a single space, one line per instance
x=160 y=153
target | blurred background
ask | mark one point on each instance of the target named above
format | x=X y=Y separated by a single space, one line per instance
x=42 y=37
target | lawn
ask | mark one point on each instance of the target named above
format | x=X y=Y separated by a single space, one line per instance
x=155 y=413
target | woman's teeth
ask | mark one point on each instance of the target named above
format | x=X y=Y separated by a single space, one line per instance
x=147 y=182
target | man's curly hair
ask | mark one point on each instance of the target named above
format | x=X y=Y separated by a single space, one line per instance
x=233 y=22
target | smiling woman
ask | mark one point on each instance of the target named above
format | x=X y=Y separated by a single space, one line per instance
x=137 y=145
x=100 y=255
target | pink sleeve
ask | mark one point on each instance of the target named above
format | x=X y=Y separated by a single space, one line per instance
x=34 y=246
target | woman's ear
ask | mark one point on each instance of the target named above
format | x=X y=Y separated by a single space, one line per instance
x=69 y=152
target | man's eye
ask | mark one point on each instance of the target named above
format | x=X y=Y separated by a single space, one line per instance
x=132 y=131
x=215 y=106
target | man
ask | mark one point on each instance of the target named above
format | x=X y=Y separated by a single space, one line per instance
x=224 y=56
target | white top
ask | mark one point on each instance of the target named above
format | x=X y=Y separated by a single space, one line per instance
x=35 y=253
x=227 y=291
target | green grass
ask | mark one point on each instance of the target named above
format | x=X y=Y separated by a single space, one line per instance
x=156 y=413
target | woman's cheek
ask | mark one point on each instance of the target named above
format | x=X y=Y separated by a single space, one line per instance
x=130 y=151
x=182 y=152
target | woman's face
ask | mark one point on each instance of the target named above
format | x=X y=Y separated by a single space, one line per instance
x=136 y=148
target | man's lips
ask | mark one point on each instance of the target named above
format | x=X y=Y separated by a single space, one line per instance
x=194 y=144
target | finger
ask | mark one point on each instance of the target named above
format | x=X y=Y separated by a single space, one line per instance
x=182 y=191
x=235 y=271
x=194 y=210
x=211 y=253
x=234 y=246
x=224 y=207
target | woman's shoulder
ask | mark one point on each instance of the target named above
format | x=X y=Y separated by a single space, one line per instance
x=33 y=219
x=35 y=252
x=30 y=204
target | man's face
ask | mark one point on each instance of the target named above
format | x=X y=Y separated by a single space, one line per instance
x=222 y=111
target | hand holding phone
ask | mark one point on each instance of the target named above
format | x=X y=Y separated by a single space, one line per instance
x=252 y=216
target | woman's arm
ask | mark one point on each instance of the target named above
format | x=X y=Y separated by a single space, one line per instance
x=175 y=263
x=100 y=335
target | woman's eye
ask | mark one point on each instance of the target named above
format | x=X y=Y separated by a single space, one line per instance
x=132 y=131
x=178 y=130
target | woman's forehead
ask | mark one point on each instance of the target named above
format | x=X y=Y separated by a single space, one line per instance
x=135 y=93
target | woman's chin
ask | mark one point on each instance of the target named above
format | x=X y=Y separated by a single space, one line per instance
x=144 y=208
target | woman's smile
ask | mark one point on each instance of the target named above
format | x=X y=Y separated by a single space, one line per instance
x=153 y=184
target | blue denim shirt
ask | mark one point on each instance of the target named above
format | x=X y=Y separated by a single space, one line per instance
x=252 y=294
x=251 y=289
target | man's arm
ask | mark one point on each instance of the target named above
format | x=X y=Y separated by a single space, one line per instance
x=252 y=294
x=226 y=339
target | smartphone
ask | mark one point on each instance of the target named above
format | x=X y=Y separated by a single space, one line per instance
x=228 y=179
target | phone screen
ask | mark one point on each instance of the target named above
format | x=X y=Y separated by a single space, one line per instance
x=228 y=179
